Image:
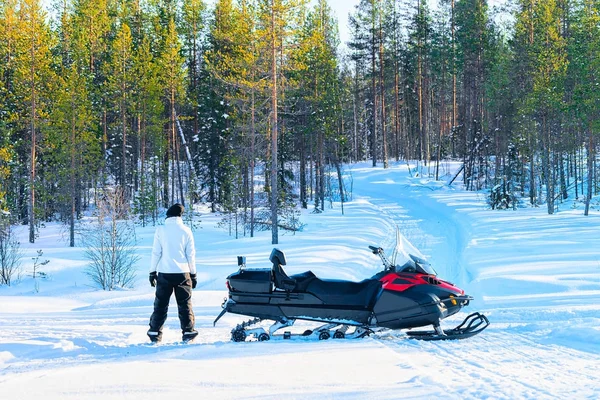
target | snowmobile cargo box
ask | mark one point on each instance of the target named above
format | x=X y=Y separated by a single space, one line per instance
x=251 y=280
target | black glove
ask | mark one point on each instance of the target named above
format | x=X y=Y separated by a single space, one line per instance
x=194 y=280
x=152 y=278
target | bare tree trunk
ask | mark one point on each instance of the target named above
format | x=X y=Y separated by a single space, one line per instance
x=454 y=109
x=303 y=201
x=252 y=157
x=563 y=179
x=426 y=109
x=396 y=110
x=136 y=159
x=172 y=138
x=532 y=192
x=420 y=92
x=72 y=219
x=547 y=167
x=355 y=131
x=575 y=177
x=274 y=185
x=321 y=185
x=177 y=162
x=340 y=182
x=590 y=166
x=104 y=142
x=194 y=82
x=31 y=208
x=382 y=94
x=165 y=171
x=124 y=144
x=312 y=168
x=441 y=127
x=143 y=164
x=374 y=89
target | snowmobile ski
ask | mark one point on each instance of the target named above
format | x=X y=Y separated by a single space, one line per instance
x=475 y=323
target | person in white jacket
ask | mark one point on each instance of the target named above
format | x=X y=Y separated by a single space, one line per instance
x=173 y=269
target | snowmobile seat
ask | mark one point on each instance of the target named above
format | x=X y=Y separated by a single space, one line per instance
x=303 y=280
x=334 y=292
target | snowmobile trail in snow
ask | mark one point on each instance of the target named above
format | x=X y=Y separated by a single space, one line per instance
x=425 y=222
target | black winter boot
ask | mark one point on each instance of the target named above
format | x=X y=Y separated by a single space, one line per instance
x=155 y=337
x=188 y=336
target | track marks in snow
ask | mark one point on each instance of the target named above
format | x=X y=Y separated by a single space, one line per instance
x=508 y=365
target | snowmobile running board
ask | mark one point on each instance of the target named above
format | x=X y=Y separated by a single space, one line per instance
x=475 y=323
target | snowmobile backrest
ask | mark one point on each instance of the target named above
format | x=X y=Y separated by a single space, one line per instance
x=281 y=279
x=277 y=257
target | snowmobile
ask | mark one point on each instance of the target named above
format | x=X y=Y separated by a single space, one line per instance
x=399 y=297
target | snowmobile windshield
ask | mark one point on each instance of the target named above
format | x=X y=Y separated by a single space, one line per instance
x=416 y=265
x=406 y=257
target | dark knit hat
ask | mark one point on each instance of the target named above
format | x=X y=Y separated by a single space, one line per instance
x=176 y=210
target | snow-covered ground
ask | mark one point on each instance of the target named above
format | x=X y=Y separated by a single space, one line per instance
x=537 y=278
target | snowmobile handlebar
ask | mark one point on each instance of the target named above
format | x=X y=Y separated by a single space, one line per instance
x=387 y=265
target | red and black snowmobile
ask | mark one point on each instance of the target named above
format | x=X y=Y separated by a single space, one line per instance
x=399 y=297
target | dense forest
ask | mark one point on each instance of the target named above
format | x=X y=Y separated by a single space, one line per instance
x=251 y=107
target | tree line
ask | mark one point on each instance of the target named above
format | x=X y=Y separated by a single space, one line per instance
x=517 y=101
x=251 y=106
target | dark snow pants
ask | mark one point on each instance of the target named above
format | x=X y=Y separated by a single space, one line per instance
x=166 y=284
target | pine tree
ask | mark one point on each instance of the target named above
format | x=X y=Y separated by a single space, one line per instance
x=92 y=23
x=317 y=82
x=585 y=67
x=120 y=91
x=172 y=82
x=148 y=109
x=420 y=38
x=522 y=84
x=472 y=36
x=194 y=24
x=9 y=31
x=32 y=81
x=366 y=46
x=277 y=20
x=549 y=65
x=72 y=150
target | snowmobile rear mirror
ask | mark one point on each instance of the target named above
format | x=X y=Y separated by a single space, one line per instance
x=375 y=250
x=241 y=261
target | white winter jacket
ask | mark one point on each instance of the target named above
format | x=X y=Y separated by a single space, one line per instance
x=173 y=250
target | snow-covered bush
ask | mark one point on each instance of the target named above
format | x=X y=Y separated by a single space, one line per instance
x=109 y=242
x=501 y=199
x=10 y=252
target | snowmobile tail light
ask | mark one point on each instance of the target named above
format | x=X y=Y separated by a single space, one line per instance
x=228 y=285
